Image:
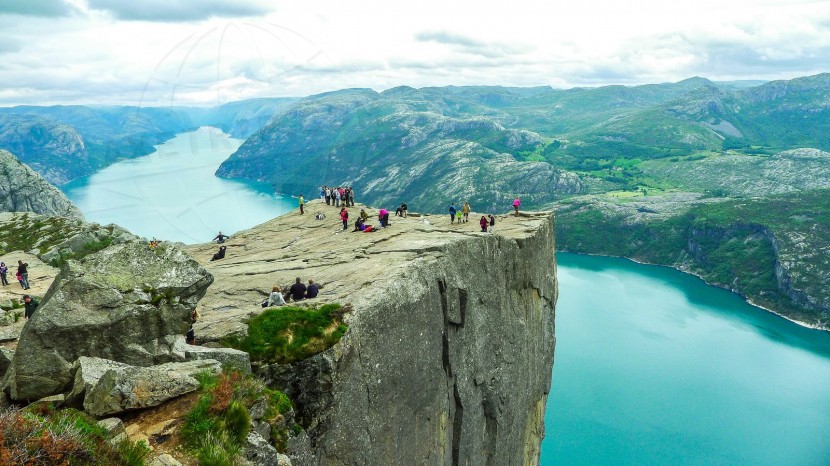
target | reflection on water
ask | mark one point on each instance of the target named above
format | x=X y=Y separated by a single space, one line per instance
x=655 y=367
x=173 y=194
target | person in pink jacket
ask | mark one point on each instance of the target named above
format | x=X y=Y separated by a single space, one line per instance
x=516 y=204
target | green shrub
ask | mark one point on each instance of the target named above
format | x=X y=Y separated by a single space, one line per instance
x=287 y=334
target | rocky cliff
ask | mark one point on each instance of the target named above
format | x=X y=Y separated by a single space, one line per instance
x=449 y=351
x=23 y=190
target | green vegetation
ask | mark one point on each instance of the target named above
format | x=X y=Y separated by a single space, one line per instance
x=216 y=428
x=42 y=435
x=735 y=243
x=287 y=334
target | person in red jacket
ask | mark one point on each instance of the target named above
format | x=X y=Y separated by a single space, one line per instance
x=484 y=224
x=344 y=216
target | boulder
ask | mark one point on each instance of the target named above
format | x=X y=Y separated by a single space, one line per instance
x=113 y=425
x=6 y=356
x=123 y=388
x=229 y=357
x=259 y=452
x=125 y=303
x=6 y=318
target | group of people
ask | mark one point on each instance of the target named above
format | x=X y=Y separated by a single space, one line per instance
x=487 y=223
x=22 y=274
x=336 y=196
x=360 y=223
x=298 y=292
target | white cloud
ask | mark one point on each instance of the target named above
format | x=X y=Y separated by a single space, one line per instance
x=168 y=54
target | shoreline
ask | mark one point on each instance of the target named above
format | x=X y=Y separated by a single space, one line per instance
x=688 y=272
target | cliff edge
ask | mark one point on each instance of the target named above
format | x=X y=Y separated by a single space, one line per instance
x=23 y=190
x=449 y=351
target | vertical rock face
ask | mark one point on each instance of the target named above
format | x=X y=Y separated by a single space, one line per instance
x=451 y=364
x=449 y=351
x=23 y=190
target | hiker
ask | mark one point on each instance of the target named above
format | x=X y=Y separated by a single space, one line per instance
x=364 y=215
x=466 y=210
x=516 y=204
x=154 y=243
x=23 y=274
x=337 y=196
x=328 y=195
x=312 y=290
x=358 y=223
x=30 y=306
x=346 y=194
x=190 y=336
x=351 y=195
x=220 y=238
x=492 y=223
x=219 y=254
x=383 y=218
x=275 y=298
x=344 y=216
x=323 y=193
x=3 y=271
x=297 y=290
x=401 y=211
x=484 y=223
x=301 y=204
x=452 y=213
x=458 y=216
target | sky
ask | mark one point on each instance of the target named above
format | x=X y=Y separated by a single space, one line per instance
x=210 y=52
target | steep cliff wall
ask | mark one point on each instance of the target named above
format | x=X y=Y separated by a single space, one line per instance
x=449 y=351
x=23 y=190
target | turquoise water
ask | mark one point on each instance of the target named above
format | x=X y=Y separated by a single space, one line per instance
x=173 y=195
x=654 y=367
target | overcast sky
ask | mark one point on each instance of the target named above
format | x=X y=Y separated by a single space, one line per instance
x=208 y=52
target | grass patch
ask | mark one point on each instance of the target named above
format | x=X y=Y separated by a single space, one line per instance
x=287 y=334
x=42 y=435
x=216 y=428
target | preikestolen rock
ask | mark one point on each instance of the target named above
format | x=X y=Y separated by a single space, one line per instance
x=126 y=303
x=229 y=357
x=128 y=388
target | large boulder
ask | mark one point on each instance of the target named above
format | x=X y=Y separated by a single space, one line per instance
x=130 y=388
x=126 y=303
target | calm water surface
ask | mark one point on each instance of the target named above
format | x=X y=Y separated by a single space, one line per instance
x=172 y=194
x=654 y=367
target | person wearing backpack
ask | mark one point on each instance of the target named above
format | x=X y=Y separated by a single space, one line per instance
x=453 y=210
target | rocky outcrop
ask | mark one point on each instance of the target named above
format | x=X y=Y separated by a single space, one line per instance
x=123 y=388
x=126 y=303
x=449 y=351
x=23 y=190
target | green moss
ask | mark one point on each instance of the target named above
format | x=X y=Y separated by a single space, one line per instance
x=287 y=334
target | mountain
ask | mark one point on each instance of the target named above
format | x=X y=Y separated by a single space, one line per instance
x=23 y=190
x=402 y=145
x=63 y=143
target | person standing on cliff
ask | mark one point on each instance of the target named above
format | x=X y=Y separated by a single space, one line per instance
x=483 y=222
x=337 y=197
x=328 y=195
x=344 y=216
x=465 y=209
x=452 y=213
x=29 y=305
x=492 y=223
x=516 y=204
x=23 y=273
x=351 y=195
x=3 y=271
x=302 y=202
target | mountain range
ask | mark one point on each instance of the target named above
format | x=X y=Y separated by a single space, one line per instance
x=725 y=180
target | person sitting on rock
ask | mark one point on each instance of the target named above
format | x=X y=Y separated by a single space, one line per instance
x=220 y=238
x=30 y=305
x=219 y=254
x=484 y=224
x=275 y=298
x=358 y=224
x=312 y=290
x=297 y=291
